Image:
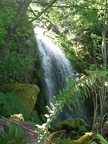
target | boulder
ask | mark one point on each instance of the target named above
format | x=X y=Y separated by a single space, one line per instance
x=71 y=124
x=26 y=92
x=74 y=128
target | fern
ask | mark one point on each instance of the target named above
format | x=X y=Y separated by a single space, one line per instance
x=14 y=134
x=84 y=84
x=17 y=131
x=81 y=85
x=101 y=139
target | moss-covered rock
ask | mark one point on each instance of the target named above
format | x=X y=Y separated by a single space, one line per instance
x=26 y=92
x=85 y=139
x=77 y=124
x=66 y=141
x=74 y=128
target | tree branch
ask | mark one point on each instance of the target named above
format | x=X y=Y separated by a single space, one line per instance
x=20 y=13
x=39 y=14
x=66 y=6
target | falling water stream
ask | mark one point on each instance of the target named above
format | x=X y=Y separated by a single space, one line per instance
x=56 y=68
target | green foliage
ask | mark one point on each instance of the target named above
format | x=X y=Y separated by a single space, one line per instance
x=79 y=23
x=101 y=139
x=26 y=92
x=17 y=98
x=14 y=135
x=15 y=64
x=84 y=85
x=88 y=138
x=10 y=104
x=42 y=133
x=33 y=117
x=74 y=22
x=74 y=88
x=77 y=64
x=66 y=141
x=17 y=53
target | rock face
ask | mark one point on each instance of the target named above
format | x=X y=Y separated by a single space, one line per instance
x=26 y=92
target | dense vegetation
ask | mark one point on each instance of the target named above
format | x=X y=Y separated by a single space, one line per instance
x=80 y=29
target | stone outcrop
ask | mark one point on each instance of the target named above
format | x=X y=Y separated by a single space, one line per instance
x=26 y=92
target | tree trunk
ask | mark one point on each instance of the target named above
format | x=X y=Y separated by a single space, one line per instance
x=104 y=56
x=15 y=24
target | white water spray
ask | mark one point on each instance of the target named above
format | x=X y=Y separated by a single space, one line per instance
x=56 y=68
x=54 y=63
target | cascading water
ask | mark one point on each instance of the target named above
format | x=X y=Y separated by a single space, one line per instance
x=56 y=68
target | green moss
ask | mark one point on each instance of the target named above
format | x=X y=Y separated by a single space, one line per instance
x=26 y=92
x=74 y=128
x=66 y=141
x=40 y=105
x=82 y=129
x=73 y=124
x=34 y=118
x=85 y=139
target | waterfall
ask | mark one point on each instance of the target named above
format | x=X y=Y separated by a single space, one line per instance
x=56 y=68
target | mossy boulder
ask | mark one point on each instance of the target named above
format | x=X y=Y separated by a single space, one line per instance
x=74 y=128
x=26 y=92
x=77 y=124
